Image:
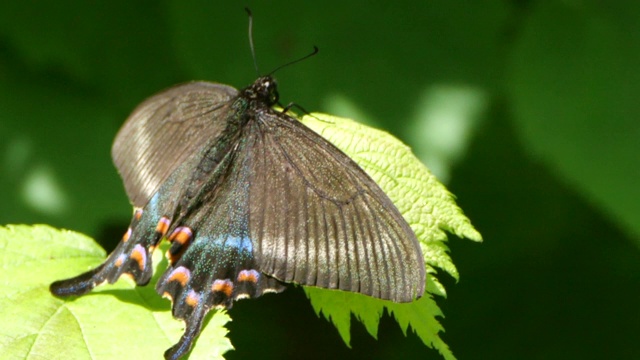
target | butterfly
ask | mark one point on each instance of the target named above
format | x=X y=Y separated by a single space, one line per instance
x=250 y=199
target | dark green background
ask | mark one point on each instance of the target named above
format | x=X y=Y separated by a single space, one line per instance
x=547 y=165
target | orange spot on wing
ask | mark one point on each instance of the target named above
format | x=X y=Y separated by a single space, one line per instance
x=163 y=225
x=120 y=260
x=223 y=286
x=126 y=235
x=192 y=299
x=181 y=276
x=250 y=276
x=139 y=256
x=181 y=235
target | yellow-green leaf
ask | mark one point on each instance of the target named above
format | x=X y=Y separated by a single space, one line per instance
x=119 y=321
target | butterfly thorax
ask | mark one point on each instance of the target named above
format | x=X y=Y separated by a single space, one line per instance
x=263 y=91
x=261 y=94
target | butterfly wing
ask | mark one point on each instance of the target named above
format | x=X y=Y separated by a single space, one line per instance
x=291 y=206
x=316 y=218
x=163 y=131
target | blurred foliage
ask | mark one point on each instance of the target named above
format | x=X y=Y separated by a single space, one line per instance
x=527 y=108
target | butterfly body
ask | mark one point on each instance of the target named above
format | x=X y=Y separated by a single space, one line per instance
x=250 y=199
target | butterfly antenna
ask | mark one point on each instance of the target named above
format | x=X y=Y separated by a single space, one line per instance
x=253 y=49
x=315 y=51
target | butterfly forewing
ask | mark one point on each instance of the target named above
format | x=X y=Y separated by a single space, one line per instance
x=164 y=131
x=317 y=219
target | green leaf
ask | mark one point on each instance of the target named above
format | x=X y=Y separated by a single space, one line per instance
x=113 y=322
x=427 y=206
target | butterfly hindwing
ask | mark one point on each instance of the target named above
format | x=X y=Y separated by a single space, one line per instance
x=211 y=256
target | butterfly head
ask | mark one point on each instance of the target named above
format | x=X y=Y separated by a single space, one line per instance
x=264 y=90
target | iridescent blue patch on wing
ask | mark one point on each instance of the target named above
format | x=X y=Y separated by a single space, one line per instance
x=243 y=244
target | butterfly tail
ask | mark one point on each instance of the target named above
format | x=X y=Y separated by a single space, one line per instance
x=193 y=328
x=78 y=285
x=131 y=257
